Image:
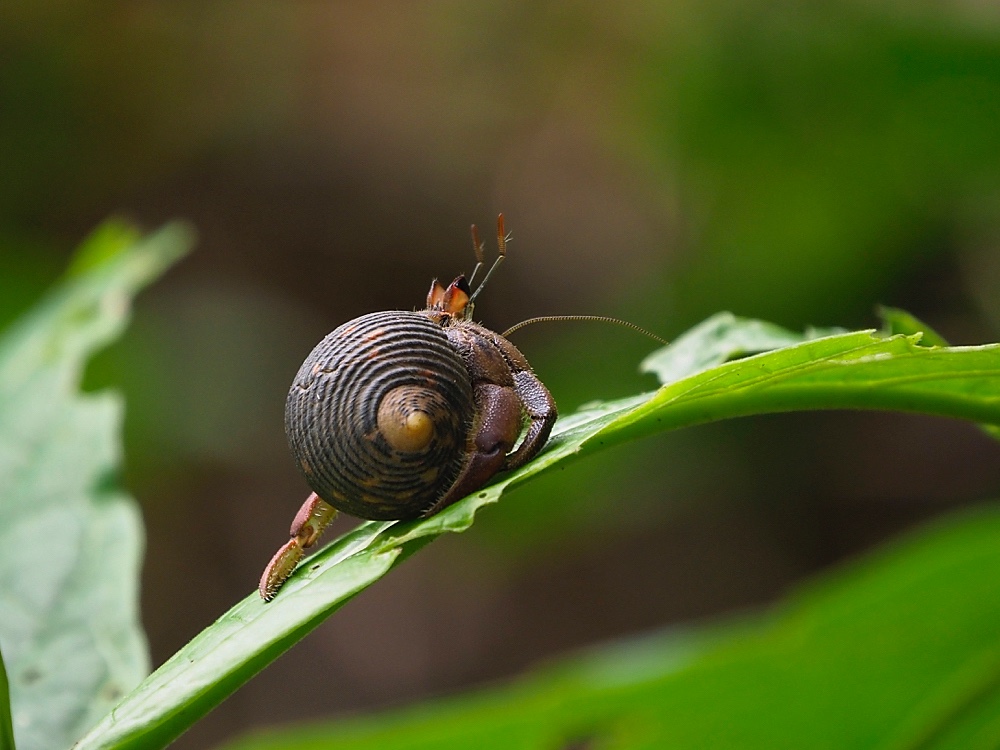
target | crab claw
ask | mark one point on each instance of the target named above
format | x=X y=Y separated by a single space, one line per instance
x=280 y=567
x=309 y=524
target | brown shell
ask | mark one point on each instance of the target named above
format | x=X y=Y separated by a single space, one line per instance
x=331 y=416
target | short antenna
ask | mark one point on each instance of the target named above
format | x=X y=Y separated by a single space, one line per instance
x=591 y=318
x=502 y=239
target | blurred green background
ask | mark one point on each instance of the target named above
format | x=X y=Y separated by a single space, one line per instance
x=657 y=161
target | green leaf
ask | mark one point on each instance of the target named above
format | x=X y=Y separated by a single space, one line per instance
x=6 y=727
x=900 y=321
x=899 y=650
x=719 y=339
x=850 y=370
x=70 y=540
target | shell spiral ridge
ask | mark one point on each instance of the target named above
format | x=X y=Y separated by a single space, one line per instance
x=403 y=362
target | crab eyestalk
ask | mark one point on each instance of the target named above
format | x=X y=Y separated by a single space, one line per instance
x=309 y=524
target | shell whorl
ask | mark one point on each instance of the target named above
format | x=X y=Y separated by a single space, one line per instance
x=398 y=368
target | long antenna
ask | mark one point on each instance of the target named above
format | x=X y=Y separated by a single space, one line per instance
x=477 y=248
x=502 y=239
x=593 y=318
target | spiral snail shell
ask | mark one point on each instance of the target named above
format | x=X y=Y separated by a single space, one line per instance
x=396 y=415
x=378 y=414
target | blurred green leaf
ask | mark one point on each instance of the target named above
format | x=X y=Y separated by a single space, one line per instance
x=6 y=728
x=850 y=370
x=70 y=540
x=823 y=149
x=899 y=650
x=106 y=242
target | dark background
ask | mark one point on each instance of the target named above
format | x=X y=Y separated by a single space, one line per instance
x=657 y=161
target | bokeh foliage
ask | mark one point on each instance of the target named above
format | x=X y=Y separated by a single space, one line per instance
x=70 y=538
x=824 y=149
x=793 y=161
